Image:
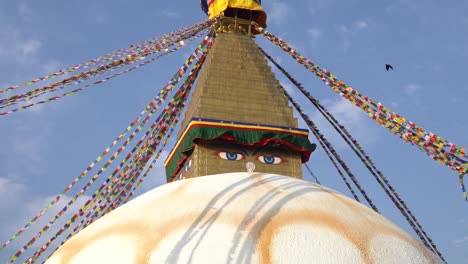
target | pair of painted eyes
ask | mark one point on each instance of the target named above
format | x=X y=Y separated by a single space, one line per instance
x=262 y=158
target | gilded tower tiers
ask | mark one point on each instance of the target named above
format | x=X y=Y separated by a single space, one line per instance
x=237 y=114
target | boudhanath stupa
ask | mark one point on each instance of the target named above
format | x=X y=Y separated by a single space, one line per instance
x=235 y=191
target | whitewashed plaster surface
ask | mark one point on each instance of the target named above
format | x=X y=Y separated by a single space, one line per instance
x=242 y=218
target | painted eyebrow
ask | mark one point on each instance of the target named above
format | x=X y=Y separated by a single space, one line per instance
x=245 y=152
x=255 y=152
x=241 y=149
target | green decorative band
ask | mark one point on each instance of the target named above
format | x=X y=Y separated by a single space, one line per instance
x=242 y=133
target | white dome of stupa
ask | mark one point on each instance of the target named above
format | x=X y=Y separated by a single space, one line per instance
x=242 y=218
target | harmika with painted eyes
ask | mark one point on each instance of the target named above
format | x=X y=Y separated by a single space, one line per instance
x=239 y=157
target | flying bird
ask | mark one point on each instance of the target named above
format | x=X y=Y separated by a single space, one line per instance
x=388 y=67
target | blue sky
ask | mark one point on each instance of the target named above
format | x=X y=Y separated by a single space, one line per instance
x=43 y=149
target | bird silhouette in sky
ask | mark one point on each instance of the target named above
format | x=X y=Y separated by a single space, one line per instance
x=388 y=67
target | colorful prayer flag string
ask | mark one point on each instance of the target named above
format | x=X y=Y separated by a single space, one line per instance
x=116 y=54
x=462 y=186
x=358 y=150
x=341 y=87
x=152 y=106
x=91 y=84
x=172 y=111
x=435 y=146
x=109 y=67
x=98 y=195
x=326 y=145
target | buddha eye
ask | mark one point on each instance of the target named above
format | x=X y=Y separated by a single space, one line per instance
x=230 y=155
x=270 y=159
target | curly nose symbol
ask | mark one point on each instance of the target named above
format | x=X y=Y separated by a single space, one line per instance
x=250 y=167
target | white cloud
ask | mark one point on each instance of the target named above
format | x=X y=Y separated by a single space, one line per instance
x=349 y=113
x=352 y=118
x=278 y=59
x=37 y=205
x=315 y=34
x=395 y=104
x=18 y=206
x=164 y=155
x=460 y=242
x=361 y=25
x=355 y=27
x=14 y=46
x=7 y=185
x=288 y=87
x=157 y=176
x=278 y=13
x=24 y=11
x=31 y=207
x=53 y=66
x=412 y=88
x=10 y=191
x=169 y=13
x=100 y=19
x=349 y=31
x=436 y=68
x=47 y=68
x=28 y=147
x=346 y=44
x=318 y=6
x=389 y=9
x=342 y=28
